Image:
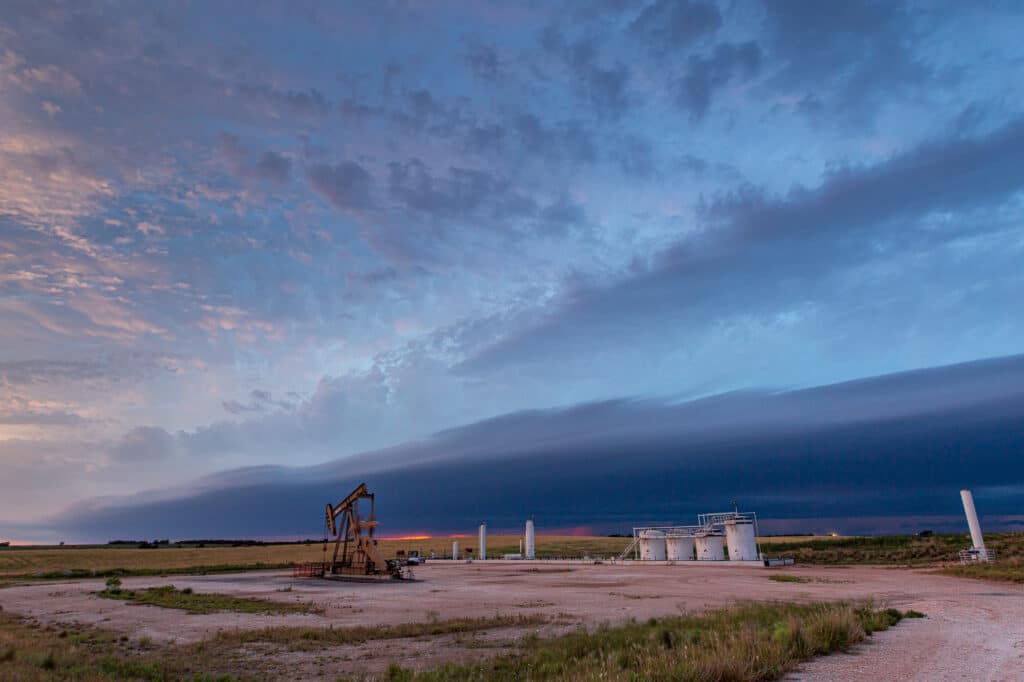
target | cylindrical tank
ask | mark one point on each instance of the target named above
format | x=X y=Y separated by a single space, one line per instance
x=679 y=547
x=483 y=541
x=652 y=545
x=739 y=535
x=710 y=547
x=530 y=544
x=455 y=550
x=977 y=539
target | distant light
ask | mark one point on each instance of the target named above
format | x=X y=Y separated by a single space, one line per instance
x=410 y=537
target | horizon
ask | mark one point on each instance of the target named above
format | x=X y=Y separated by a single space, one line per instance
x=612 y=265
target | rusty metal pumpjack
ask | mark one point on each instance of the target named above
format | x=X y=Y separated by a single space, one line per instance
x=344 y=521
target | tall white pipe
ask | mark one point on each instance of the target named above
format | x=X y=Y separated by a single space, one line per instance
x=483 y=541
x=455 y=550
x=530 y=544
x=972 y=521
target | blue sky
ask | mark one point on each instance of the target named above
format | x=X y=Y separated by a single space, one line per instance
x=296 y=233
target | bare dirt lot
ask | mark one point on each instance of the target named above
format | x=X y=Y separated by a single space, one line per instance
x=974 y=630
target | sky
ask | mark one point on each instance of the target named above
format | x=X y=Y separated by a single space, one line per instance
x=257 y=254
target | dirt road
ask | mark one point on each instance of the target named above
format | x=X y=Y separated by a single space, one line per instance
x=974 y=630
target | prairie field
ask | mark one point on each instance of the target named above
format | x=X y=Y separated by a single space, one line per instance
x=57 y=562
x=52 y=561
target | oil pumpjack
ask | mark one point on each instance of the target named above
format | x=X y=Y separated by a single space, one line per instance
x=362 y=560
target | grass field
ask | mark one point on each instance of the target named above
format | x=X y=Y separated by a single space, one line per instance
x=1007 y=570
x=743 y=643
x=169 y=597
x=895 y=549
x=59 y=562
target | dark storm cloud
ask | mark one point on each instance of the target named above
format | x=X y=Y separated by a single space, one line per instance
x=785 y=243
x=705 y=75
x=635 y=156
x=569 y=140
x=346 y=185
x=603 y=87
x=483 y=62
x=904 y=443
x=846 y=55
x=669 y=25
x=271 y=166
x=460 y=193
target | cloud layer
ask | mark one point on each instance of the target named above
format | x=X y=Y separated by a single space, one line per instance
x=876 y=455
x=293 y=235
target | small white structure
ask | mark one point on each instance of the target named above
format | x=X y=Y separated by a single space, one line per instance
x=710 y=547
x=652 y=545
x=739 y=535
x=455 y=550
x=977 y=552
x=679 y=547
x=483 y=541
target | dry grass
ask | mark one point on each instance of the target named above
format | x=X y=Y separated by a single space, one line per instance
x=745 y=642
x=30 y=653
x=169 y=597
x=1004 y=570
x=61 y=562
x=315 y=638
x=895 y=549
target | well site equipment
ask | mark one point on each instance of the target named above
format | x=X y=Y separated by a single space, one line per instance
x=652 y=545
x=363 y=561
x=705 y=541
x=679 y=547
x=977 y=551
x=710 y=546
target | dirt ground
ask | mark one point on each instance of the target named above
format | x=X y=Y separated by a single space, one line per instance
x=974 y=629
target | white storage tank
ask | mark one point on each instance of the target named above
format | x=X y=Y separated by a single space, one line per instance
x=679 y=547
x=739 y=535
x=455 y=550
x=652 y=545
x=710 y=547
x=530 y=542
x=483 y=541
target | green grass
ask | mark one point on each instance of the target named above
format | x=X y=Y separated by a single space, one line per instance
x=33 y=653
x=311 y=638
x=169 y=597
x=783 y=578
x=1005 y=570
x=746 y=642
x=893 y=549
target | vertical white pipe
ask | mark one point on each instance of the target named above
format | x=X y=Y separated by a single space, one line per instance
x=483 y=540
x=530 y=542
x=455 y=550
x=972 y=521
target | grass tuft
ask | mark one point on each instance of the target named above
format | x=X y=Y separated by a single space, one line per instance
x=748 y=642
x=1004 y=570
x=310 y=638
x=167 y=596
